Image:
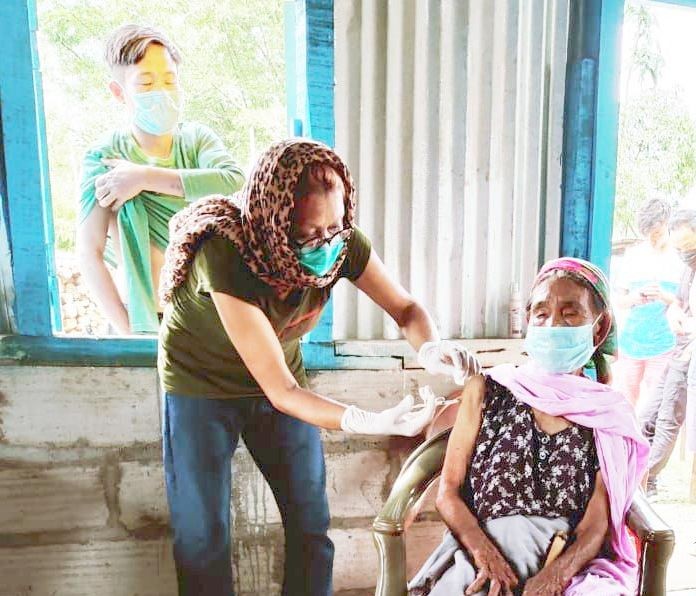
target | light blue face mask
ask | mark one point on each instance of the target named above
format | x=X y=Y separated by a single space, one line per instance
x=157 y=112
x=560 y=349
x=318 y=261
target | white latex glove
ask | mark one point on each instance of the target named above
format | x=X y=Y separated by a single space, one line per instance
x=406 y=418
x=448 y=358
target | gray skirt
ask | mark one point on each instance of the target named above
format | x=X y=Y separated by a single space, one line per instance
x=523 y=540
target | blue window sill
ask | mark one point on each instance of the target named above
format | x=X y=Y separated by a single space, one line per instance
x=78 y=351
x=142 y=352
x=318 y=355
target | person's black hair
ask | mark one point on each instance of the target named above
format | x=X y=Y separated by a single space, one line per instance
x=652 y=214
x=686 y=216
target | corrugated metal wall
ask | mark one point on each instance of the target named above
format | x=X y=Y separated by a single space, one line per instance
x=449 y=113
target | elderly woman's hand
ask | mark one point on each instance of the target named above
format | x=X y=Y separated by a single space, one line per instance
x=491 y=566
x=550 y=581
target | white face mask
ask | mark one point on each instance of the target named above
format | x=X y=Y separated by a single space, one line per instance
x=560 y=349
x=157 y=112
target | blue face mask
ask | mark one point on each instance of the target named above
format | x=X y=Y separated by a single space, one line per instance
x=157 y=112
x=560 y=349
x=318 y=261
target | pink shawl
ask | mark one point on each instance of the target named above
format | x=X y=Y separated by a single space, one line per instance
x=621 y=448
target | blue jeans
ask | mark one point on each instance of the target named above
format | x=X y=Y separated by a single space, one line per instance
x=200 y=436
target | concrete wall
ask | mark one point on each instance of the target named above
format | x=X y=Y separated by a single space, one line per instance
x=82 y=500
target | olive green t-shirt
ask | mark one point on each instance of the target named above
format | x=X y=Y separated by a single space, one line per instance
x=196 y=357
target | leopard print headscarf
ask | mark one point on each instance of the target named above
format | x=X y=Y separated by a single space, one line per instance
x=257 y=220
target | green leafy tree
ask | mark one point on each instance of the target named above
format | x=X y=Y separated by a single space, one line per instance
x=646 y=62
x=657 y=135
x=232 y=75
x=657 y=154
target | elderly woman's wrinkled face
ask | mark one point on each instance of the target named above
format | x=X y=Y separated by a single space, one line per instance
x=562 y=302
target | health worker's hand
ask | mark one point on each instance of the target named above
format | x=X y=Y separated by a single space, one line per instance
x=406 y=418
x=121 y=183
x=448 y=358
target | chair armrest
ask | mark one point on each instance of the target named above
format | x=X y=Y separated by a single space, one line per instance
x=646 y=523
x=657 y=540
x=421 y=468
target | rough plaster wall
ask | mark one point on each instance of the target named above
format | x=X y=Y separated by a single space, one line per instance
x=82 y=501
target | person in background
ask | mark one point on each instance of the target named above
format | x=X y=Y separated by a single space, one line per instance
x=245 y=278
x=673 y=400
x=645 y=286
x=136 y=178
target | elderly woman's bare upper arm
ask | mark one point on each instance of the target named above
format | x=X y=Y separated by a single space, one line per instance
x=597 y=516
x=462 y=441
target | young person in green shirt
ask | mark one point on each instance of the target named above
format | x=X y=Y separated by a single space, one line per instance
x=245 y=278
x=135 y=179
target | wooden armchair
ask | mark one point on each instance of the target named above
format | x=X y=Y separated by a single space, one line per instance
x=423 y=467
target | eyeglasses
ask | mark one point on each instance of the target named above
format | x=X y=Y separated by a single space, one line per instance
x=313 y=243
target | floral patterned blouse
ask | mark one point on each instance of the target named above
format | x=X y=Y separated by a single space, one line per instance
x=517 y=468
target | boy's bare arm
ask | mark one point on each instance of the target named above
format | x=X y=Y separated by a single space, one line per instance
x=91 y=242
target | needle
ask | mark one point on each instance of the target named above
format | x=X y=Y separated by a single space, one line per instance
x=440 y=401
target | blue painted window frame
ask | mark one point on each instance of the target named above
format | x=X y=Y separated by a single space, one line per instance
x=29 y=284
x=26 y=226
x=591 y=113
x=686 y=3
x=591 y=130
x=26 y=172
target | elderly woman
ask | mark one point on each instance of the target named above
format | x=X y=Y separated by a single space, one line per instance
x=541 y=451
x=245 y=278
